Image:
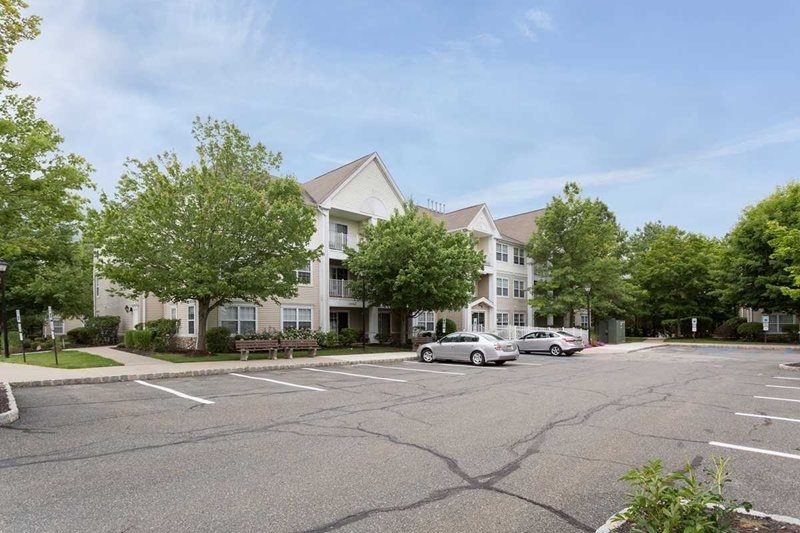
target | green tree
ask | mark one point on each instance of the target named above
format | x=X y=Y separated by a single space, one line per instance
x=753 y=274
x=675 y=270
x=578 y=244
x=40 y=186
x=410 y=263
x=786 y=242
x=220 y=229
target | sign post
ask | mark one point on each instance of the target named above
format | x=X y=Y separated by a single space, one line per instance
x=765 y=326
x=694 y=326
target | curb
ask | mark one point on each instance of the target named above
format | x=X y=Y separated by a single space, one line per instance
x=795 y=367
x=13 y=414
x=764 y=346
x=190 y=373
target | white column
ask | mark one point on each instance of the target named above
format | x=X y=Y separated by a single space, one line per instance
x=372 y=326
x=324 y=271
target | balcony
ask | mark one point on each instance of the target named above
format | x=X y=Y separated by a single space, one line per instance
x=338 y=241
x=339 y=288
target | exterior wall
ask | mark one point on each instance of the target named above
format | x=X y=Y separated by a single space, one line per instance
x=368 y=192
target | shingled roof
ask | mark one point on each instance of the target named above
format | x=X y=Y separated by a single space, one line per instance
x=456 y=219
x=321 y=187
x=519 y=227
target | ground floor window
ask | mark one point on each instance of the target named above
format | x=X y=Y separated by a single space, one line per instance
x=190 y=319
x=520 y=319
x=296 y=318
x=584 y=321
x=239 y=319
x=426 y=321
x=778 y=320
x=502 y=320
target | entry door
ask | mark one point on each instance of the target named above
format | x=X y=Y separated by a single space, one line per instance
x=478 y=321
x=339 y=320
x=384 y=324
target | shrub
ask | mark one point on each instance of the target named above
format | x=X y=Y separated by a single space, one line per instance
x=348 y=336
x=678 y=501
x=727 y=330
x=445 y=326
x=750 y=331
x=327 y=339
x=84 y=336
x=162 y=331
x=138 y=340
x=790 y=331
x=218 y=340
x=107 y=329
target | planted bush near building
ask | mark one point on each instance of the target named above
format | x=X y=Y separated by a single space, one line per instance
x=218 y=340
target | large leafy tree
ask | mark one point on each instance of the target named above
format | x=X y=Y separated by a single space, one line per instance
x=578 y=244
x=410 y=263
x=753 y=274
x=40 y=186
x=675 y=270
x=219 y=229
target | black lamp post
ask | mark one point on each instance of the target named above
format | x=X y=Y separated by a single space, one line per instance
x=588 y=290
x=3 y=315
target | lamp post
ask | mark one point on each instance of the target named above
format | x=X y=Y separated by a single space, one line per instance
x=588 y=290
x=3 y=316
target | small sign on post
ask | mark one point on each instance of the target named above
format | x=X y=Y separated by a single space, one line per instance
x=52 y=332
x=21 y=338
x=694 y=326
x=765 y=326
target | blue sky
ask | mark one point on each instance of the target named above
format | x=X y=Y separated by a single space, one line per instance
x=680 y=111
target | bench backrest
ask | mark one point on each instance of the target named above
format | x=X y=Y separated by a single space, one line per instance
x=299 y=343
x=256 y=343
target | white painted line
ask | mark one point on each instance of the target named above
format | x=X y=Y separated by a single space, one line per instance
x=355 y=375
x=176 y=393
x=783 y=387
x=757 y=450
x=781 y=377
x=278 y=382
x=414 y=369
x=437 y=363
x=771 y=417
x=779 y=399
x=526 y=364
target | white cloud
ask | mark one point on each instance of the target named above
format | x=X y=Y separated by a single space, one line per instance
x=535 y=20
x=488 y=40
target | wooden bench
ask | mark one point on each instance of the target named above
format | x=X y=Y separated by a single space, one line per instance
x=257 y=345
x=290 y=345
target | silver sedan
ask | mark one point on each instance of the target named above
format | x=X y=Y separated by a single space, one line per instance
x=553 y=342
x=477 y=348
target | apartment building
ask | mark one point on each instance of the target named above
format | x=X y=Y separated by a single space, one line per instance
x=346 y=200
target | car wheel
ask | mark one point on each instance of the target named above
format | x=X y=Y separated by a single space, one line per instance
x=556 y=350
x=498 y=363
x=426 y=355
x=477 y=358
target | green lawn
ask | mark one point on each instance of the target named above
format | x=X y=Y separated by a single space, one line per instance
x=66 y=359
x=635 y=339
x=254 y=356
x=729 y=341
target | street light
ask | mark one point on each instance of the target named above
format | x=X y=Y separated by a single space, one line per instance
x=588 y=289
x=3 y=316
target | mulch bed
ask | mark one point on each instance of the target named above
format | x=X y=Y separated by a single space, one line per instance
x=745 y=524
x=4 y=406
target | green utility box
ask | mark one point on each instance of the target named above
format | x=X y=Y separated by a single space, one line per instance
x=611 y=331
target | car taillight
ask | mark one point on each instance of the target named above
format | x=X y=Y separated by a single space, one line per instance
x=498 y=346
x=570 y=339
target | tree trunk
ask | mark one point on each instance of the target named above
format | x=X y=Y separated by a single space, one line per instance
x=203 y=311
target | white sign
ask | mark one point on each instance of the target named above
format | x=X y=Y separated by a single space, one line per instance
x=19 y=325
x=765 y=323
x=694 y=325
x=50 y=319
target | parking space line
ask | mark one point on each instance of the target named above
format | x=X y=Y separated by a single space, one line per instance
x=526 y=364
x=176 y=393
x=783 y=387
x=779 y=399
x=414 y=369
x=278 y=382
x=355 y=375
x=771 y=417
x=756 y=450
x=782 y=377
x=451 y=364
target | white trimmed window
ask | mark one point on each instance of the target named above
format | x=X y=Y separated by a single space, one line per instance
x=304 y=275
x=173 y=312
x=425 y=321
x=778 y=320
x=520 y=319
x=501 y=252
x=502 y=286
x=239 y=319
x=502 y=319
x=190 y=319
x=584 y=321
x=296 y=318
x=519 y=288
x=519 y=255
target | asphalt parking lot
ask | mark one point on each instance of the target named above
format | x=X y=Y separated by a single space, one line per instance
x=536 y=445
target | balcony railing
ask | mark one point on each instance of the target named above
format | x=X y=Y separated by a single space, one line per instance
x=339 y=288
x=338 y=241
